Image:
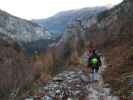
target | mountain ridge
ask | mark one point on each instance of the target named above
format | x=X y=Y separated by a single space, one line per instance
x=59 y=21
x=23 y=32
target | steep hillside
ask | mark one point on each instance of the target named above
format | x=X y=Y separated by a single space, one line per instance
x=113 y=33
x=23 y=31
x=58 y=22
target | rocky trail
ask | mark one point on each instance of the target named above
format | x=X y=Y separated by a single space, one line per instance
x=75 y=85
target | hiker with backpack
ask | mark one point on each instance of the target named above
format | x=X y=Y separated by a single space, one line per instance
x=95 y=62
x=91 y=60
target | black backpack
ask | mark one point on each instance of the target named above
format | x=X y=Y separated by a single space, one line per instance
x=94 y=59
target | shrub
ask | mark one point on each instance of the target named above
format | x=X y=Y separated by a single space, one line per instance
x=15 y=71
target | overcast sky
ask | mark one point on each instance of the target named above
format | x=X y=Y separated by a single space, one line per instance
x=36 y=9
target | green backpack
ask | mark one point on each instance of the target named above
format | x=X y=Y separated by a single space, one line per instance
x=94 y=61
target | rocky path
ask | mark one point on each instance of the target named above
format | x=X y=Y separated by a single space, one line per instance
x=77 y=86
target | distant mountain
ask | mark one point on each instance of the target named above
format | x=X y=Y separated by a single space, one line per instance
x=58 y=22
x=23 y=32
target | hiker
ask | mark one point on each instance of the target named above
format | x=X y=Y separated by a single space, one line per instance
x=90 y=60
x=85 y=56
x=95 y=62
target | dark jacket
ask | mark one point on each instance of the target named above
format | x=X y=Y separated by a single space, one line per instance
x=97 y=56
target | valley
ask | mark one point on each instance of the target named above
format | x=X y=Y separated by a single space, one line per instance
x=42 y=57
